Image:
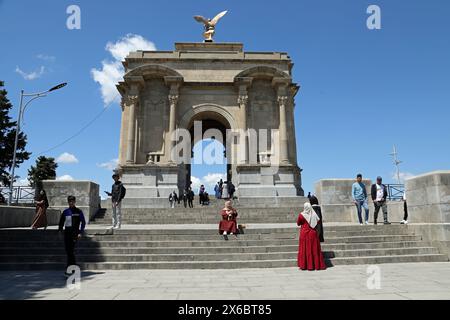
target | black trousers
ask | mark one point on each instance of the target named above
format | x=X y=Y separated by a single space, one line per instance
x=185 y=203
x=70 y=239
x=405 y=210
x=191 y=205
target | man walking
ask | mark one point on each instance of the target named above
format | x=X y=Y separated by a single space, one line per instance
x=359 y=195
x=379 y=196
x=185 y=198
x=117 y=193
x=190 y=197
x=73 y=223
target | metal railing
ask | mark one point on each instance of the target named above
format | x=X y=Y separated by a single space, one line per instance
x=395 y=191
x=20 y=194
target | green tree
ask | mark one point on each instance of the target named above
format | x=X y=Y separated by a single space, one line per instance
x=7 y=138
x=45 y=169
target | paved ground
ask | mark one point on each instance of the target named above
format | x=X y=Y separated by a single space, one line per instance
x=397 y=281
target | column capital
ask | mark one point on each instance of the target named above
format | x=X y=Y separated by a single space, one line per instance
x=129 y=100
x=282 y=99
x=242 y=100
x=173 y=99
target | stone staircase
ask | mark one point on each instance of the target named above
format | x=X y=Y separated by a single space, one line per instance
x=187 y=247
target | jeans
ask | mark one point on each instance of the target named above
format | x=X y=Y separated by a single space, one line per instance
x=383 y=206
x=117 y=214
x=362 y=204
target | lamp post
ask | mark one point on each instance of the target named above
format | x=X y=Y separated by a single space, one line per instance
x=22 y=108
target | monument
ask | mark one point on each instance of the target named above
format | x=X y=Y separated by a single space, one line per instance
x=203 y=90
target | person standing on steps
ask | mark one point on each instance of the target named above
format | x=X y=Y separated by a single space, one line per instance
x=310 y=256
x=359 y=196
x=405 y=209
x=190 y=198
x=173 y=198
x=117 y=194
x=184 y=197
x=315 y=204
x=72 y=222
x=379 y=195
x=40 y=219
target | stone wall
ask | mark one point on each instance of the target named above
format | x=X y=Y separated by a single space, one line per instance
x=428 y=197
x=22 y=217
x=86 y=193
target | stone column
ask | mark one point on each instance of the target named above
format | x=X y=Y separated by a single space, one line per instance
x=282 y=100
x=242 y=101
x=173 y=100
x=243 y=84
x=174 y=84
x=133 y=101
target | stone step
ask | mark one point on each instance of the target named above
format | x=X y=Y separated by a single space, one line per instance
x=199 y=250
x=210 y=241
x=215 y=256
x=204 y=235
x=390 y=259
x=221 y=264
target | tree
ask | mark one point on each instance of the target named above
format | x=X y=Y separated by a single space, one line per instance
x=7 y=139
x=45 y=169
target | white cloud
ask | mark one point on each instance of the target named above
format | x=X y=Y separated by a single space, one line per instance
x=67 y=158
x=65 y=178
x=22 y=183
x=112 y=71
x=110 y=165
x=32 y=75
x=403 y=176
x=46 y=57
x=209 y=181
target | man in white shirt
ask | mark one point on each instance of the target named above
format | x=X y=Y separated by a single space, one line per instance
x=379 y=196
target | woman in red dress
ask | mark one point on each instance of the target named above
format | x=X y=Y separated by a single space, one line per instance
x=40 y=219
x=228 y=224
x=310 y=255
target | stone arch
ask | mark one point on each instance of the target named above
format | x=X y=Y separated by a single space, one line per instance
x=264 y=72
x=152 y=70
x=208 y=108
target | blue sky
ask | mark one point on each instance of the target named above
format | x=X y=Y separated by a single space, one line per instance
x=361 y=90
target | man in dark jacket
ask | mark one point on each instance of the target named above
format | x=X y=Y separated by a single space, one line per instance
x=117 y=193
x=379 y=195
x=72 y=221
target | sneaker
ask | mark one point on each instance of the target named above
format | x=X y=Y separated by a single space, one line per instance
x=116 y=227
x=406 y=222
x=367 y=222
x=387 y=222
x=402 y=222
x=361 y=224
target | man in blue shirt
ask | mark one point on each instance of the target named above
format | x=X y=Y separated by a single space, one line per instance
x=73 y=223
x=359 y=195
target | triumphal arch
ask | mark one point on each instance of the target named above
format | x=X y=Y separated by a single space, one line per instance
x=172 y=99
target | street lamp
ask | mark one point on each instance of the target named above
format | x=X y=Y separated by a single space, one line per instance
x=22 y=108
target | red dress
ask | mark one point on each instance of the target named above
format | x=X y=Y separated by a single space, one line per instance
x=310 y=255
x=228 y=224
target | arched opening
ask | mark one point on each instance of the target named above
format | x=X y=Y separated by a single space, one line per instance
x=210 y=159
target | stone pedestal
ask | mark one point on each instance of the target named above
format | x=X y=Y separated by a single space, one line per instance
x=149 y=184
x=428 y=197
x=268 y=181
x=86 y=193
